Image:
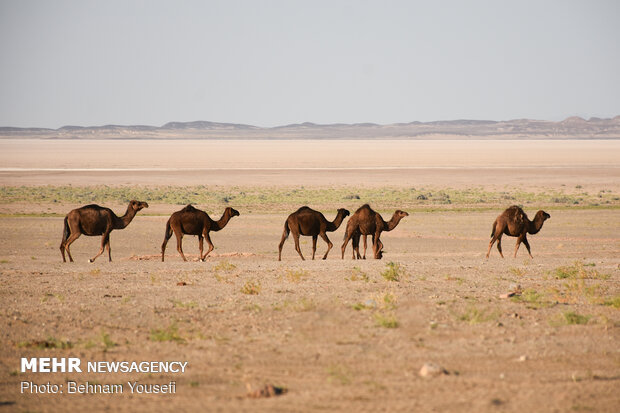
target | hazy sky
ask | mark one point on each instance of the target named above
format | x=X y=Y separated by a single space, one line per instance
x=271 y=63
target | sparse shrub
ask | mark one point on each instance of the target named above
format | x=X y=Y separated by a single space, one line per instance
x=360 y=306
x=305 y=304
x=338 y=374
x=50 y=342
x=106 y=341
x=613 y=302
x=170 y=333
x=181 y=304
x=533 y=299
x=358 y=274
x=225 y=266
x=571 y=317
x=475 y=315
x=392 y=271
x=578 y=271
x=295 y=275
x=385 y=319
x=251 y=287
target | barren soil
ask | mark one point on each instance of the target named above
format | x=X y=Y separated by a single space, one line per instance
x=337 y=334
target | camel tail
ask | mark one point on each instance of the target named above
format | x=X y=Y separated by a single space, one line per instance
x=66 y=231
x=493 y=230
x=287 y=230
x=168 y=233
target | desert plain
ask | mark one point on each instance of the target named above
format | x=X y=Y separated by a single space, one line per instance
x=509 y=335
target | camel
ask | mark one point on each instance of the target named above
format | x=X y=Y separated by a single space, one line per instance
x=193 y=221
x=307 y=221
x=515 y=223
x=93 y=220
x=366 y=222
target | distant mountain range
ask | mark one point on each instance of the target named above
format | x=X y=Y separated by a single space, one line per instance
x=570 y=128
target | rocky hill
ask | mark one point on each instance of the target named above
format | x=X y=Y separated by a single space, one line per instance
x=570 y=128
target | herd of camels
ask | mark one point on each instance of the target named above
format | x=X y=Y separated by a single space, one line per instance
x=94 y=220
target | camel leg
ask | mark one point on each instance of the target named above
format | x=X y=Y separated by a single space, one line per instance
x=210 y=244
x=329 y=244
x=200 y=246
x=366 y=244
x=163 y=248
x=314 y=238
x=355 y=244
x=344 y=244
x=107 y=244
x=495 y=238
x=491 y=245
x=527 y=245
x=379 y=250
x=104 y=241
x=297 y=248
x=284 y=237
x=167 y=236
x=179 y=236
x=518 y=244
x=375 y=244
x=499 y=245
x=72 y=237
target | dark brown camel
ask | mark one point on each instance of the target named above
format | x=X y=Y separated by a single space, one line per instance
x=514 y=222
x=366 y=222
x=95 y=220
x=307 y=221
x=193 y=221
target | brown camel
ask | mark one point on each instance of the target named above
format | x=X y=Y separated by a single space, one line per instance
x=514 y=222
x=365 y=222
x=95 y=220
x=192 y=221
x=307 y=221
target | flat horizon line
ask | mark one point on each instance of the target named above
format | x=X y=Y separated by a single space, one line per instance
x=312 y=124
x=362 y=168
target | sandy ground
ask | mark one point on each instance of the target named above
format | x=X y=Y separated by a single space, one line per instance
x=310 y=162
x=301 y=330
x=320 y=328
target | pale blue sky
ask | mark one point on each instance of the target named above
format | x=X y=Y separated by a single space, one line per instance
x=271 y=63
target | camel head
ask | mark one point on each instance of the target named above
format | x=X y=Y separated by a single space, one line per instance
x=400 y=214
x=542 y=215
x=137 y=205
x=345 y=212
x=232 y=212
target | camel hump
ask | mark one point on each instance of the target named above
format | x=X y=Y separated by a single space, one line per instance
x=516 y=213
x=365 y=206
x=189 y=208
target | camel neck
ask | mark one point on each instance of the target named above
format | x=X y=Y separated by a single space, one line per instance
x=536 y=225
x=123 y=221
x=221 y=223
x=392 y=223
x=335 y=224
